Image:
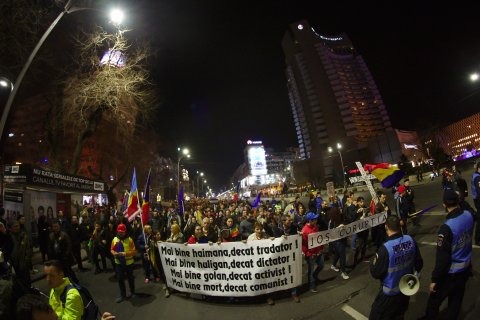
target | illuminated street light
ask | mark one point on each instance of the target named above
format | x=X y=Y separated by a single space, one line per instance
x=117 y=16
x=474 y=76
x=185 y=153
x=6 y=83
x=330 y=150
x=199 y=174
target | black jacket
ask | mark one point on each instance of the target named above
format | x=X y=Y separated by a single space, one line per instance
x=75 y=231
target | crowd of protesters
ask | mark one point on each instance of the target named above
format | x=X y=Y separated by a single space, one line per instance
x=106 y=235
x=99 y=230
x=59 y=239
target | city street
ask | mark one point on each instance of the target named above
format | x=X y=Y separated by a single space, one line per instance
x=336 y=299
x=225 y=127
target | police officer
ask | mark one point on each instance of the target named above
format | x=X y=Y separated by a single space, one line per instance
x=453 y=261
x=398 y=256
x=476 y=198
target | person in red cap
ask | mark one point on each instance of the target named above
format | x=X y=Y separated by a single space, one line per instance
x=403 y=208
x=123 y=250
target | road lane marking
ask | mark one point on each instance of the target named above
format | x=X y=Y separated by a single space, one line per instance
x=353 y=313
x=434 y=244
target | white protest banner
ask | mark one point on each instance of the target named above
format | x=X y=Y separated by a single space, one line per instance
x=233 y=268
x=323 y=237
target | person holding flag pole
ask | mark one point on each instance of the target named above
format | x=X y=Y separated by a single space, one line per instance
x=145 y=238
x=123 y=247
x=180 y=202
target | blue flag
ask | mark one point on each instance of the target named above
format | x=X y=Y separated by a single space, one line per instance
x=256 y=203
x=180 y=200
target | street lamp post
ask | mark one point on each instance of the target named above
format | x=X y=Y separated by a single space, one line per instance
x=185 y=153
x=199 y=174
x=115 y=16
x=339 y=147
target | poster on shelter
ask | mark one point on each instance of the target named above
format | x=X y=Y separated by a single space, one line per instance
x=43 y=203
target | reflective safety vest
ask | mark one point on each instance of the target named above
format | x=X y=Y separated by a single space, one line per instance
x=474 y=187
x=462 y=229
x=401 y=257
x=126 y=245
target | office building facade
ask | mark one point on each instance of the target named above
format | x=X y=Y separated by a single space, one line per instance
x=333 y=97
x=463 y=138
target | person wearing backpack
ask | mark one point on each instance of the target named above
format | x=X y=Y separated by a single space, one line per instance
x=72 y=307
x=36 y=307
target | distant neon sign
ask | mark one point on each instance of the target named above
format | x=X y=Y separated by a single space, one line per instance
x=257 y=161
x=410 y=146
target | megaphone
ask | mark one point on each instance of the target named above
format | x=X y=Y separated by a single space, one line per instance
x=409 y=284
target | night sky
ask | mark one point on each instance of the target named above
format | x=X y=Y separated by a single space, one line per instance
x=219 y=68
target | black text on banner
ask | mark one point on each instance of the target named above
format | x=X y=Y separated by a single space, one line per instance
x=323 y=237
x=233 y=269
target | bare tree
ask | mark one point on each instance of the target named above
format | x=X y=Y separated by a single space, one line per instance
x=89 y=102
x=116 y=89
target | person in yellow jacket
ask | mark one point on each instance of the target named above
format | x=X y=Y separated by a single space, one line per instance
x=123 y=250
x=36 y=307
x=73 y=307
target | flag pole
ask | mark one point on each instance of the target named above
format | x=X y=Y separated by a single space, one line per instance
x=141 y=213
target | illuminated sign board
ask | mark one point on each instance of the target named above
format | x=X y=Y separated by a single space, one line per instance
x=410 y=146
x=254 y=142
x=256 y=159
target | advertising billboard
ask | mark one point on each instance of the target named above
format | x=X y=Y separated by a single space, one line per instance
x=256 y=159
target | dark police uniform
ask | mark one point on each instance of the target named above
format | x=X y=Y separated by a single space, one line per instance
x=476 y=199
x=453 y=263
x=398 y=256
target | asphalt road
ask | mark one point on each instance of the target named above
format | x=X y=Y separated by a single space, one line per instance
x=336 y=299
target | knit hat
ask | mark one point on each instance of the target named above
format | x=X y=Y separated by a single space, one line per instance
x=121 y=228
x=311 y=216
x=401 y=189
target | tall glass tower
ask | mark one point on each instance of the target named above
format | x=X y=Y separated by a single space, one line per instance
x=333 y=96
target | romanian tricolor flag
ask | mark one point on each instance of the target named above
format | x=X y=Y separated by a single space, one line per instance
x=146 y=198
x=125 y=202
x=133 y=205
x=234 y=232
x=388 y=175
